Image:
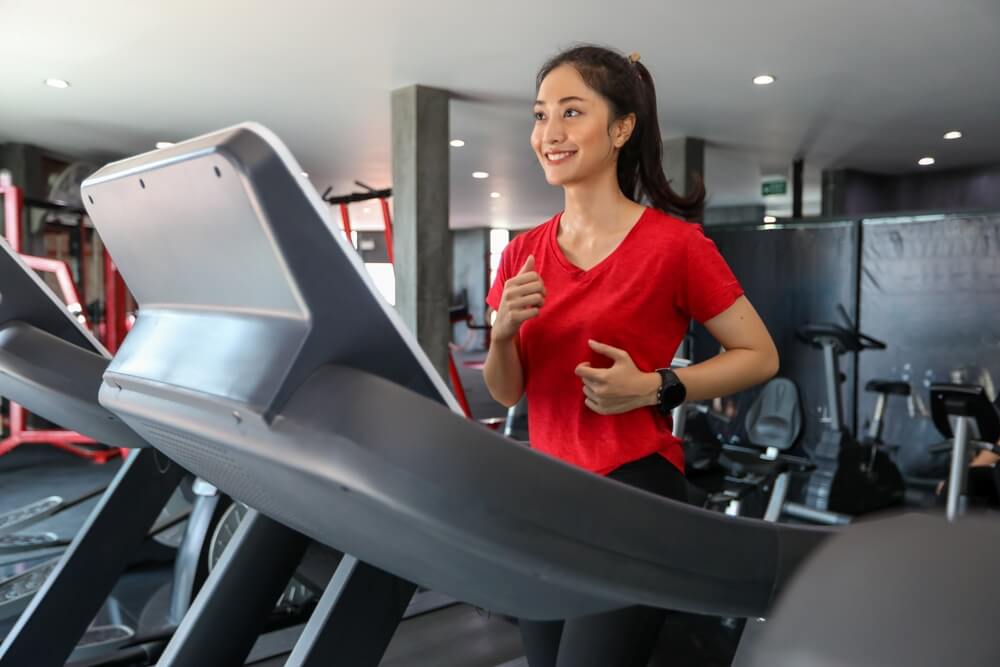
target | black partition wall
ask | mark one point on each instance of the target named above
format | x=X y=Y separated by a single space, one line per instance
x=927 y=285
x=793 y=274
x=930 y=288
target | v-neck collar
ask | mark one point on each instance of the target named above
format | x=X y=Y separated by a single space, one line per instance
x=575 y=270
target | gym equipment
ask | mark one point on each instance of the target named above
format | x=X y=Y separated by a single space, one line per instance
x=883 y=389
x=850 y=477
x=914 y=591
x=19 y=434
x=773 y=424
x=977 y=425
x=297 y=431
x=52 y=365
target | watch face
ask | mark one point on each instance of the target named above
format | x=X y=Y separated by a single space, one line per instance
x=672 y=394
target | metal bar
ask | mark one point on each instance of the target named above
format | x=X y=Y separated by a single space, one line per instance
x=234 y=602
x=779 y=491
x=387 y=218
x=189 y=553
x=56 y=618
x=345 y=217
x=64 y=277
x=81 y=277
x=113 y=306
x=875 y=428
x=13 y=204
x=957 y=475
x=52 y=205
x=826 y=517
x=456 y=385
x=834 y=403
x=355 y=619
x=357 y=197
x=856 y=356
x=797 y=166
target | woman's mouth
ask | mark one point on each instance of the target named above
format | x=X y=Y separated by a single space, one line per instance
x=558 y=157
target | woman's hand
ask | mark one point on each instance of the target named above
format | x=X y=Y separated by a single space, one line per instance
x=621 y=388
x=522 y=299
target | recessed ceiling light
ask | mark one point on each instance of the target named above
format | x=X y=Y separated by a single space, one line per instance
x=164 y=144
x=480 y=174
x=57 y=83
x=763 y=79
x=925 y=161
x=770 y=219
x=456 y=143
x=495 y=195
x=306 y=174
x=953 y=134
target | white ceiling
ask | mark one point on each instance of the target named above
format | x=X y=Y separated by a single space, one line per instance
x=870 y=84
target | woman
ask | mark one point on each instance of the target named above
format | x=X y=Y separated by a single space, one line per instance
x=591 y=305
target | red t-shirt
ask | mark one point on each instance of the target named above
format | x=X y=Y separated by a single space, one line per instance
x=639 y=299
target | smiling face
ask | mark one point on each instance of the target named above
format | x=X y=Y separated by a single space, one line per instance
x=574 y=138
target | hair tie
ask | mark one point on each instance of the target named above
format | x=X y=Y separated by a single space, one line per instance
x=633 y=58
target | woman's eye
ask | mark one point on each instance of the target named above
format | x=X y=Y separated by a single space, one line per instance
x=571 y=112
x=539 y=115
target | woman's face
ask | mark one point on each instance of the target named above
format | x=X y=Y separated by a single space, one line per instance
x=571 y=138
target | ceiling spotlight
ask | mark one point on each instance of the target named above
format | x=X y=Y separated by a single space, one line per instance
x=953 y=134
x=763 y=79
x=480 y=174
x=57 y=83
x=164 y=144
x=456 y=143
x=925 y=161
x=306 y=174
x=495 y=195
x=769 y=219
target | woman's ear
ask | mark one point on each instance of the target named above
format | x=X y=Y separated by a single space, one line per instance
x=622 y=130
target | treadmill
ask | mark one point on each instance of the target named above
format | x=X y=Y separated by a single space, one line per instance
x=264 y=361
x=53 y=366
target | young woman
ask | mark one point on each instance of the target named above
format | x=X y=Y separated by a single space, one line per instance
x=592 y=305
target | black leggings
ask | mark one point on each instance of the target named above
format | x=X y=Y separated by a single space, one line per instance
x=621 y=638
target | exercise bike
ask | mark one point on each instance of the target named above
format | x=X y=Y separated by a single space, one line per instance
x=850 y=476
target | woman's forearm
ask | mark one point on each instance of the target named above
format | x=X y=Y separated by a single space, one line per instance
x=728 y=373
x=502 y=372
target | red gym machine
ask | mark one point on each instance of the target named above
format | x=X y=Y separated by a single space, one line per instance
x=113 y=328
x=460 y=314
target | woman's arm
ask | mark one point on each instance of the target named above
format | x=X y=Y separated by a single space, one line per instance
x=750 y=358
x=522 y=298
x=502 y=372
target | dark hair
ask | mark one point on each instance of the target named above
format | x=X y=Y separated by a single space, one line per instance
x=628 y=88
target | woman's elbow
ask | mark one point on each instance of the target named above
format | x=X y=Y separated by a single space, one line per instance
x=506 y=400
x=772 y=363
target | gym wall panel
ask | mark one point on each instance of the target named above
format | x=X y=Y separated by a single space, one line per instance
x=793 y=274
x=930 y=288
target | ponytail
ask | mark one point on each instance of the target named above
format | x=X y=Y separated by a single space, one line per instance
x=628 y=87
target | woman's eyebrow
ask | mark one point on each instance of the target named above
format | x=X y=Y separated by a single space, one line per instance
x=571 y=98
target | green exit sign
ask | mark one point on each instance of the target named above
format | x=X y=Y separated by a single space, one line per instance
x=774 y=188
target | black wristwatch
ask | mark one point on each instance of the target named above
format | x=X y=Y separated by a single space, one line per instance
x=671 y=392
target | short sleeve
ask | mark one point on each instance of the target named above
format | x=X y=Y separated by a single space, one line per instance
x=503 y=273
x=709 y=286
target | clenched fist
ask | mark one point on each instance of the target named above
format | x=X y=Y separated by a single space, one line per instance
x=522 y=299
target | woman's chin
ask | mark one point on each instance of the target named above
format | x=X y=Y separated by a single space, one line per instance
x=557 y=179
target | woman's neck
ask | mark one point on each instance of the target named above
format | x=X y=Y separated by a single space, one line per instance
x=598 y=208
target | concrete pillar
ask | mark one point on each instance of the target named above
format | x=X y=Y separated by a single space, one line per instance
x=422 y=243
x=683 y=162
